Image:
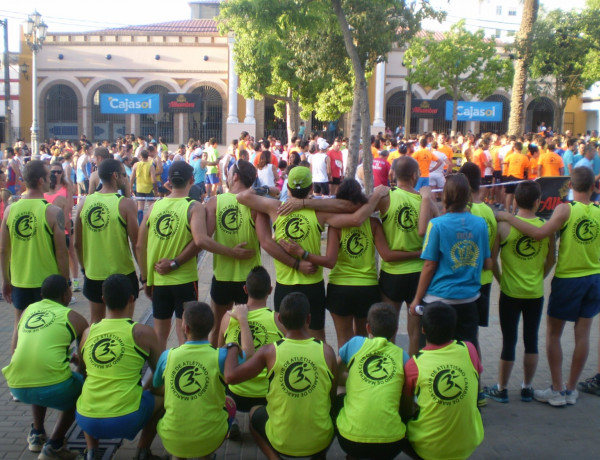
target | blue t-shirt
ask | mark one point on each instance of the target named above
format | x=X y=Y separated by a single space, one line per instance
x=584 y=162
x=199 y=173
x=458 y=242
x=164 y=177
x=351 y=347
x=157 y=378
x=568 y=160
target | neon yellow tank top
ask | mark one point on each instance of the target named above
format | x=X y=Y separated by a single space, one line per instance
x=483 y=210
x=32 y=257
x=168 y=233
x=106 y=248
x=234 y=225
x=579 y=250
x=401 y=227
x=264 y=331
x=523 y=260
x=448 y=424
x=302 y=227
x=355 y=265
x=143 y=179
x=195 y=386
x=113 y=363
x=298 y=401
x=371 y=406
x=45 y=328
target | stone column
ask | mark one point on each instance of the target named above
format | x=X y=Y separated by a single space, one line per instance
x=232 y=116
x=378 y=121
x=250 y=112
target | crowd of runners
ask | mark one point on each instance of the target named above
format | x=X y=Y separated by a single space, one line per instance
x=446 y=226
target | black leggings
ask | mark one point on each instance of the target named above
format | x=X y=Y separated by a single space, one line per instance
x=510 y=313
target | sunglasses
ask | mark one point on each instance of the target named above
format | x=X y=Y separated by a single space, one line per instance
x=55 y=172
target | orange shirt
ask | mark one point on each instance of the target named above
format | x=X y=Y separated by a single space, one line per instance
x=480 y=160
x=551 y=163
x=517 y=164
x=495 y=152
x=393 y=155
x=274 y=159
x=533 y=168
x=424 y=157
x=374 y=152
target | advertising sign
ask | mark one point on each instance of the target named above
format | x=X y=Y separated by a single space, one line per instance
x=424 y=108
x=63 y=130
x=181 y=102
x=129 y=103
x=475 y=111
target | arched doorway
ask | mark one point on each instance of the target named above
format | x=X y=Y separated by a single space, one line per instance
x=106 y=126
x=160 y=124
x=207 y=121
x=538 y=110
x=327 y=129
x=60 y=114
x=395 y=110
x=499 y=127
x=442 y=126
x=274 y=126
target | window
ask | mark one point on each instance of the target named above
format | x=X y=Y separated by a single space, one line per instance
x=512 y=12
x=498 y=33
x=499 y=10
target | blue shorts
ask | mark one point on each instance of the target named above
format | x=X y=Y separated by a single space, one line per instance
x=125 y=426
x=12 y=189
x=23 y=297
x=573 y=298
x=212 y=178
x=61 y=396
x=422 y=182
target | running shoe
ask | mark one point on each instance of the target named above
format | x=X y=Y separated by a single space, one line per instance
x=591 y=385
x=36 y=441
x=481 y=399
x=527 y=394
x=235 y=434
x=50 y=453
x=496 y=394
x=571 y=396
x=76 y=287
x=550 y=396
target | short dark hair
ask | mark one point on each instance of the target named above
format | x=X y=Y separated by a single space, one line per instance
x=457 y=193
x=439 y=323
x=383 y=320
x=350 y=190
x=199 y=318
x=473 y=174
x=294 y=311
x=526 y=193
x=107 y=168
x=405 y=167
x=246 y=172
x=116 y=292
x=33 y=172
x=144 y=154
x=10 y=151
x=582 y=179
x=258 y=283
x=102 y=152
x=54 y=287
x=423 y=142
x=518 y=146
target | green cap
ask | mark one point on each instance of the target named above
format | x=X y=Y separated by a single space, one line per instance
x=299 y=178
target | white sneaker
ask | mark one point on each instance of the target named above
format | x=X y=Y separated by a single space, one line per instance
x=571 y=396
x=552 y=397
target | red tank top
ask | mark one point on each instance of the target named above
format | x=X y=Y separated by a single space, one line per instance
x=51 y=198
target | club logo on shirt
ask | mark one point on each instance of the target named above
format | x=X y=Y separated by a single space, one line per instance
x=38 y=321
x=407 y=218
x=526 y=247
x=106 y=351
x=448 y=384
x=25 y=226
x=298 y=377
x=464 y=253
x=377 y=369
x=98 y=217
x=259 y=334
x=166 y=224
x=230 y=219
x=189 y=380
x=585 y=230
x=297 y=228
x=356 y=243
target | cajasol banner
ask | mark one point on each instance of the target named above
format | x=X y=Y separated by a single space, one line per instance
x=129 y=103
x=475 y=111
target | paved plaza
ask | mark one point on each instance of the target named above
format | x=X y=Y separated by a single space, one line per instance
x=514 y=430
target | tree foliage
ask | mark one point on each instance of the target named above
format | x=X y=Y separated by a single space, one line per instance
x=565 y=57
x=463 y=63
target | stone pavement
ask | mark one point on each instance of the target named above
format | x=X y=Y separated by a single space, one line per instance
x=515 y=430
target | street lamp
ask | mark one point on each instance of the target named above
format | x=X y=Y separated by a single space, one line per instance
x=35 y=34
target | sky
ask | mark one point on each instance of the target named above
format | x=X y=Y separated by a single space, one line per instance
x=86 y=15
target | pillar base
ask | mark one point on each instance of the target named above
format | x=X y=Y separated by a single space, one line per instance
x=377 y=127
x=234 y=130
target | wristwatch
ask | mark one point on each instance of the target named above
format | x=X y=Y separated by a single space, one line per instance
x=231 y=345
x=173 y=265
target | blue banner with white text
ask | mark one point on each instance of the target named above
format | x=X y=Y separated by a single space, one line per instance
x=475 y=111
x=129 y=103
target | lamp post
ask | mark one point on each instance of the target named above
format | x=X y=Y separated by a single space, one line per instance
x=7 y=108
x=35 y=34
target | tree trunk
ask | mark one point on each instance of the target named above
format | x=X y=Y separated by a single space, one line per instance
x=407 y=107
x=454 y=115
x=354 y=145
x=292 y=109
x=361 y=86
x=523 y=42
x=559 y=116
